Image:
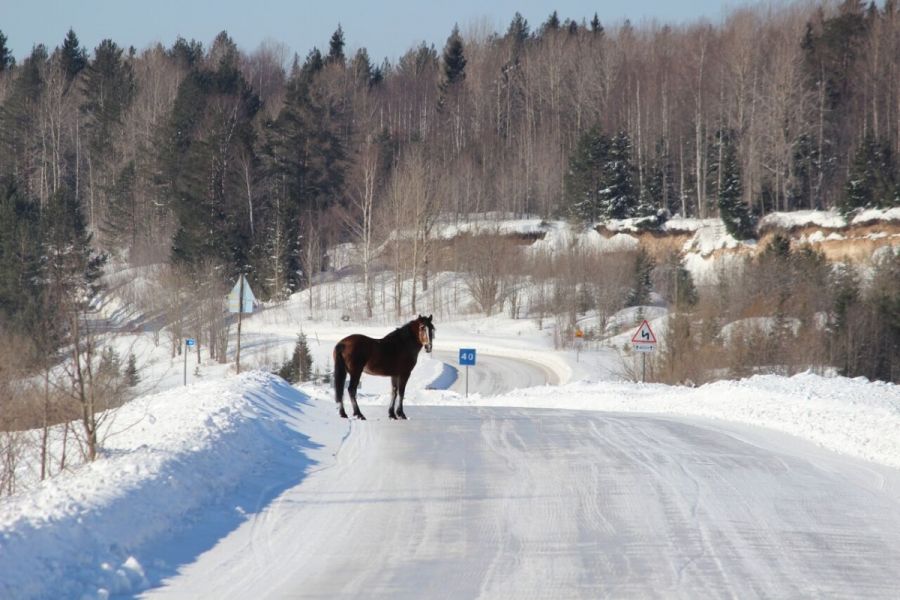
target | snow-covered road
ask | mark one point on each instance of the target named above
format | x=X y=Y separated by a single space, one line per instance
x=497 y=374
x=467 y=502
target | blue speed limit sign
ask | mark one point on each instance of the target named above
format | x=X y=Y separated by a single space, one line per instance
x=467 y=356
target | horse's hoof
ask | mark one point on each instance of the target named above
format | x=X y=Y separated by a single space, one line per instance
x=392 y=416
x=401 y=416
x=343 y=414
x=360 y=416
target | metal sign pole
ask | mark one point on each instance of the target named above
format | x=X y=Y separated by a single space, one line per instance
x=240 y=318
x=186 y=346
x=643 y=367
x=467 y=359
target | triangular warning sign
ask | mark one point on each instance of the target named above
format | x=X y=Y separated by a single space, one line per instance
x=644 y=335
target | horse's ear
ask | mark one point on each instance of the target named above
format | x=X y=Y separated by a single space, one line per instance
x=429 y=318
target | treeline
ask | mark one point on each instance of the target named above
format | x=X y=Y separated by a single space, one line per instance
x=214 y=159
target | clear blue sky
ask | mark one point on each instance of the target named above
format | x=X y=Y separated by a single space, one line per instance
x=386 y=28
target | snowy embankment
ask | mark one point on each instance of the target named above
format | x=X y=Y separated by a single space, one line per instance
x=188 y=466
x=850 y=416
x=178 y=471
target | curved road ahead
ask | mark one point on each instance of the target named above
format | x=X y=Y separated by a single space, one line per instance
x=496 y=374
x=516 y=503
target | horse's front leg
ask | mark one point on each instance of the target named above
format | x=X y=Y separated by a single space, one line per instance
x=400 y=413
x=354 y=383
x=395 y=382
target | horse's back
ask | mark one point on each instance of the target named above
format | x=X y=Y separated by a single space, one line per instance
x=354 y=348
x=356 y=340
x=375 y=356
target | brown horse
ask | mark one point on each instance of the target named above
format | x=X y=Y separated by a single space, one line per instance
x=392 y=356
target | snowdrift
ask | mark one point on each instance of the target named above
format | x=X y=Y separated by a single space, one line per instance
x=179 y=471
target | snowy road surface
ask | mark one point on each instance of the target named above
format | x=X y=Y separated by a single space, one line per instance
x=527 y=503
x=497 y=374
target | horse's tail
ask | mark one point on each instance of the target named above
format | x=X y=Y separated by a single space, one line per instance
x=340 y=373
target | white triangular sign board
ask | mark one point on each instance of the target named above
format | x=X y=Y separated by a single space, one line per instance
x=644 y=335
x=249 y=298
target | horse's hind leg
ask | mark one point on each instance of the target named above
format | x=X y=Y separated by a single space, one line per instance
x=354 y=383
x=395 y=382
x=403 y=380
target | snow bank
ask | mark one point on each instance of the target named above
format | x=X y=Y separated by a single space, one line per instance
x=877 y=214
x=829 y=219
x=673 y=225
x=710 y=237
x=179 y=470
x=851 y=416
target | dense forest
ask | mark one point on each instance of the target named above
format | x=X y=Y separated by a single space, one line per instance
x=214 y=159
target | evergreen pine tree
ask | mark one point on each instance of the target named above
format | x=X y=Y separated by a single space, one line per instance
x=618 y=198
x=303 y=358
x=120 y=226
x=361 y=67
x=596 y=27
x=804 y=165
x=186 y=54
x=871 y=181
x=833 y=51
x=658 y=192
x=211 y=128
x=454 y=61
x=732 y=210
x=304 y=163
x=518 y=30
x=584 y=178
x=313 y=64
x=132 y=378
x=109 y=89
x=299 y=367
x=551 y=25
x=6 y=58
x=21 y=283
x=73 y=56
x=71 y=266
x=20 y=137
x=336 y=47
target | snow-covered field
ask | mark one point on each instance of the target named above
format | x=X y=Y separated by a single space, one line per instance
x=189 y=475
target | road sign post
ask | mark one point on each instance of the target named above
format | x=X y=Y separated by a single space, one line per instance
x=240 y=301
x=644 y=341
x=467 y=359
x=187 y=345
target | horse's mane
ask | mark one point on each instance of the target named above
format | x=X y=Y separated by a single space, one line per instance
x=400 y=332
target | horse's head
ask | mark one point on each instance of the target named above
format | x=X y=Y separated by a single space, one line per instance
x=425 y=331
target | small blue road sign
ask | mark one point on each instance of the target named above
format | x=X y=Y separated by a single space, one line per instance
x=190 y=342
x=467 y=357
